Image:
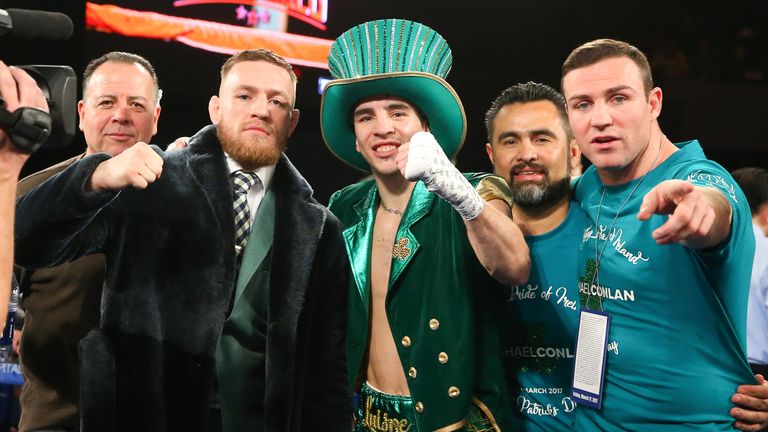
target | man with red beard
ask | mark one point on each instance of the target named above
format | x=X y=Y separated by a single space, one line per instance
x=195 y=299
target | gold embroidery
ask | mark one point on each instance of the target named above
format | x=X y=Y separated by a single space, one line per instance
x=482 y=418
x=479 y=423
x=401 y=250
x=381 y=422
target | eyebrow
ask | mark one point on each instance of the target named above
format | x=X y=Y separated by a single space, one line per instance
x=619 y=88
x=535 y=132
x=362 y=111
x=611 y=90
x=508 y=134
x=252 y=89
x=390 y=107
x=544 y=131
x=111 y=96
x=397 y=106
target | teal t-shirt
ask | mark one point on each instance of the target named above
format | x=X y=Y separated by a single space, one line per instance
x=541 y=321
x=676 y=344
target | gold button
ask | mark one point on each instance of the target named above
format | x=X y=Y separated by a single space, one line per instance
x=442 y=358
x=412 y=372
x=419 y=407
x=453 y=392
x=434 y=324
x=406 y=341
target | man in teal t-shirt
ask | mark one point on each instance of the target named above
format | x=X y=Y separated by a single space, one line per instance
x=529 y=143
x=542 y=320
x=666 y=253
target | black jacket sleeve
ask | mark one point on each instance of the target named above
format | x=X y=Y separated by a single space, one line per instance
x=58 y=221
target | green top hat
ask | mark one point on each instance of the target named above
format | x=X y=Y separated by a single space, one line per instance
x=393 y=57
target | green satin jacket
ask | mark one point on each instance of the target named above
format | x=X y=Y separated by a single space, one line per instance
x=444 y=309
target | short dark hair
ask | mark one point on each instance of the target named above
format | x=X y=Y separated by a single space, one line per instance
x=524 y=93
x=601 y=49
x=754 y=183
x=258 y=54
x=121 y=57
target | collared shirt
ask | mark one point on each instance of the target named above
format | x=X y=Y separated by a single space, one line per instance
x=757 y=312
x=256 y=193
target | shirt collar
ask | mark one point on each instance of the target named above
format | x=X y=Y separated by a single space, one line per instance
x=264 y=173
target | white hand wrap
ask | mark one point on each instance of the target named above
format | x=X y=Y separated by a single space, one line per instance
x=427 y=162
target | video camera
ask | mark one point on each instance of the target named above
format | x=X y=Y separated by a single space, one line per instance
x=30 y=128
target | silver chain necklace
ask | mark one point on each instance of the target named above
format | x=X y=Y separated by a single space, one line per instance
x=599 y=256
x=389 y=210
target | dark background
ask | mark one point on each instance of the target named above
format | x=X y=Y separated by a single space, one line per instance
x=710 y=60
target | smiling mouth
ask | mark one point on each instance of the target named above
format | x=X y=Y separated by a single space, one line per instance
x=528 y=174
x=385 y=149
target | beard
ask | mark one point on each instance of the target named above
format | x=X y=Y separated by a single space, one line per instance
x=539 y=195
x=254 y=151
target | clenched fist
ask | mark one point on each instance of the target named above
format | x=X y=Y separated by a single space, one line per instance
x=137 y=167
x=423 y=159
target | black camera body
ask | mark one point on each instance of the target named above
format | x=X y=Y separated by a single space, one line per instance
x=29 y=128
x=59 y=86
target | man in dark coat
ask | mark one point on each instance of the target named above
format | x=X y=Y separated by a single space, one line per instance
x=120 y=107
x=181 y=301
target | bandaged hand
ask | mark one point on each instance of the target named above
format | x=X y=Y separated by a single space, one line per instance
x=424 y=160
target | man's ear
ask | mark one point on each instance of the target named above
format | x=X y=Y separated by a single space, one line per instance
x=214 y=107
x=575 y=158
x=295 y=114
x=155 y=118
x=489 y=151
x=654 y=100
x=81 y=113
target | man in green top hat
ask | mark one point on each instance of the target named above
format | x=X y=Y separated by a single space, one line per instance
x=423 y=344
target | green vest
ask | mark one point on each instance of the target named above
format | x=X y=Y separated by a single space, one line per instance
x=241 y=353
x=444 y=309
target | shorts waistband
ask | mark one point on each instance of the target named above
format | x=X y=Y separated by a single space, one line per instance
x=383 y=412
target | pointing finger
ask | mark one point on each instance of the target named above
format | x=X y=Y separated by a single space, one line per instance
x=649 y=205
